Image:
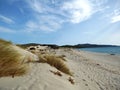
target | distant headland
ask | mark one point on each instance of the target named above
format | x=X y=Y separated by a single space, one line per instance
x=54 y=46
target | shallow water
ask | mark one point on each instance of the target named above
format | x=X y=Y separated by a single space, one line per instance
x=111 y=50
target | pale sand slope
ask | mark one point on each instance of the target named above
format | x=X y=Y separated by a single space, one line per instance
x=92 y=71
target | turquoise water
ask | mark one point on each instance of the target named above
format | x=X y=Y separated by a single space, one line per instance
x=110 y=50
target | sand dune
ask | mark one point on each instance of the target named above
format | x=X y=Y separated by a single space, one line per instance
x=92 y=71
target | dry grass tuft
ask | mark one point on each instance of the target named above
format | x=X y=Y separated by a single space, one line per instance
x=17 y=71
x=5 y=42
x=42 y=58
x=71 y=80
x=56 y=73
x=62 y=57
x=57 y=63
x=10 y=60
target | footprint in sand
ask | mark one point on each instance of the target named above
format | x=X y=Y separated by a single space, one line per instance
x=86 y=84
x=83 y=79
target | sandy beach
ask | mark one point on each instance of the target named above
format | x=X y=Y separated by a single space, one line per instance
x=59 y=44
x=91 y=71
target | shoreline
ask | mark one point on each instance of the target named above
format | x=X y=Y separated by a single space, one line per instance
x=107 y=50
x=102 y=57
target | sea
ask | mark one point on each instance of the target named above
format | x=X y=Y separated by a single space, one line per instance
x=109 y=50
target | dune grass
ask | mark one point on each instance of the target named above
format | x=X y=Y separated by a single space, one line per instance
x=5 y=42
x=56 y=62
x=10 y=60
x=42 y=58
x=62 y=57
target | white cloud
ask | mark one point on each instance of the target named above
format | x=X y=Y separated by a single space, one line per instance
x=115 y=19
x=6 y=19
x=115 y=16
x=36 y=5
x=33 y=26
x=51 y=14
x=78 y=10
x=6 y=30
x=45 y=23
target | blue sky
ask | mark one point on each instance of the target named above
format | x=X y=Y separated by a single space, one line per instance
x=60 y=21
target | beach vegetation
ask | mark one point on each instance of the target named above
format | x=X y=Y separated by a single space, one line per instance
x=56 y=62
x=10 y=60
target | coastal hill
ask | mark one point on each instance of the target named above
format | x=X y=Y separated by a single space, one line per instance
x=54 y=46
x=87 y=46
